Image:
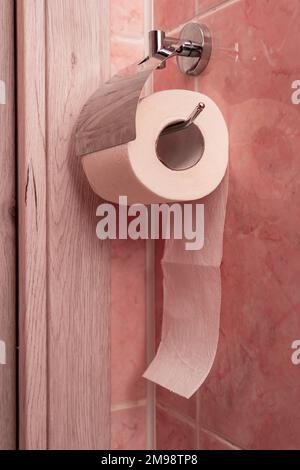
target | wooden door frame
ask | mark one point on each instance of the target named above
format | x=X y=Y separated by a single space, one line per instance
x=7 y=230
x=64 y=305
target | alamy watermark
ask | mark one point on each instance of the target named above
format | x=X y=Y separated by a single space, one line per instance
x=138 y=221
x=295 y=357
x=296 y=93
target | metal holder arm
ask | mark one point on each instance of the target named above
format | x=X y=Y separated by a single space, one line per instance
x=108 y=117
x=161 y=46
x=192 y=48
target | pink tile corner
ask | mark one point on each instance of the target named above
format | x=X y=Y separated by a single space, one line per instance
x=186 y=407
x=168 y=14
x=172 y=433
x=128 y=429
x=178 y=79
x=210 y=441
x=127 y=18
x=125 y=52
x=128 y=323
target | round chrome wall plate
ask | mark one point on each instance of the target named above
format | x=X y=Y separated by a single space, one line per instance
x=198 y=33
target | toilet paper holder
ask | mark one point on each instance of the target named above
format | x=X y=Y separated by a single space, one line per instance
x=192 y=48
x=108 y=117
x=185 y=123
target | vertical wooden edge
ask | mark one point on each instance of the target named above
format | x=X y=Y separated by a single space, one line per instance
x=78 y=271
x=105 y=75
x=105 y=46
x=150 y=275
x=58 y=407
x=32 y=223
x=7 y=231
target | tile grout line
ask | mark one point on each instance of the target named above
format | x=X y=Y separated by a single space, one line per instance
x=128 y=405
x=216 y=8
x=150 y=278
x=201 y=15
x=124 y=38
x=194 y=423
x=197 y=433
x=221 y=438
x=177 y=415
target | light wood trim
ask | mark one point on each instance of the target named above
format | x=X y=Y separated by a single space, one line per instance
x=7 y=231
x=79 y=263
x=65 y=269
x=32 y=223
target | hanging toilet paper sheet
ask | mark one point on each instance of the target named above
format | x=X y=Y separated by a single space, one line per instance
x=192 y=302
x=156 y=168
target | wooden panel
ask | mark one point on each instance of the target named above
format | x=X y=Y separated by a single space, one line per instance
x=79 y=264
x=7 y=231
x=32 y=223
x=65 y=269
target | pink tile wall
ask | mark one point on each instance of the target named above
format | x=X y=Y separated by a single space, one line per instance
x=128 y=343
x=251 y=398
x=169 y=14
x=210 y=441
x=128 y=321
x=173 y=431
x=128 y=429
x=127 y=18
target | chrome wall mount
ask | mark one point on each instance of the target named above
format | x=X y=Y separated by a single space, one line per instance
x=192 y=49
x=108 y=117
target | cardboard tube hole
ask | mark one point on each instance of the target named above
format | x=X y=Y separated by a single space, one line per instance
x=182 y=149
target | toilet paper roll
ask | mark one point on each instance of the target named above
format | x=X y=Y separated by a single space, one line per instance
x=182 y=166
